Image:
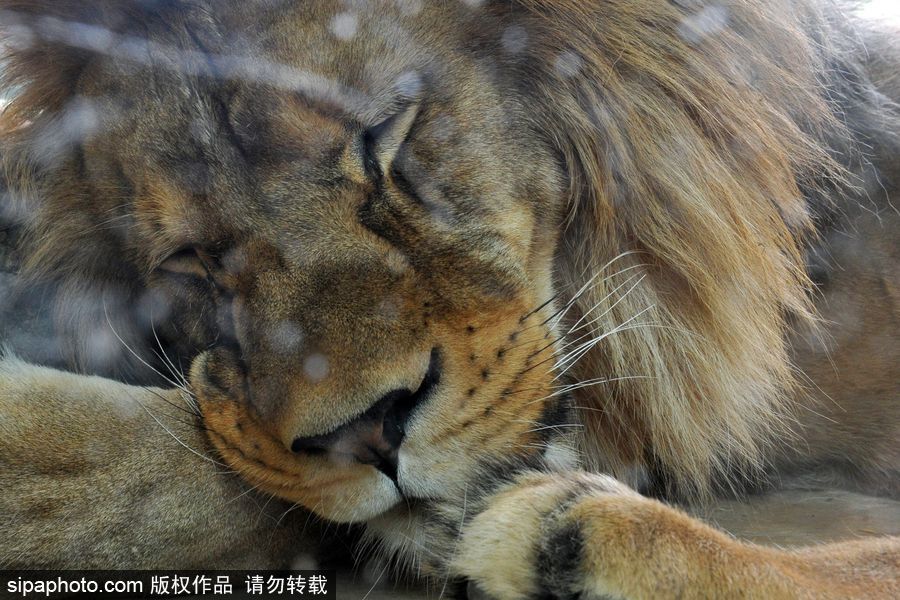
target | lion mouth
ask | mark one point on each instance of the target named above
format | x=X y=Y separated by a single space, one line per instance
x=374 y=437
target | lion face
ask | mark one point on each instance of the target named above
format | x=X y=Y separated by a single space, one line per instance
x=384 y=263
x=356 y=239
x=355 y=224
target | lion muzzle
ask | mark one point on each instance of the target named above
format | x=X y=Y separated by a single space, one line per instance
x=374 y=437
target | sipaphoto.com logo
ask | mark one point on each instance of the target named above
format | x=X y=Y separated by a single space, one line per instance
x=60 y=586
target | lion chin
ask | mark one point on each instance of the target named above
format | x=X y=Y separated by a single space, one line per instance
x=450 y=268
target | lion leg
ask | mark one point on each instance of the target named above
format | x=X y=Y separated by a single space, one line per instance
x=588 y=536
x=99 y=474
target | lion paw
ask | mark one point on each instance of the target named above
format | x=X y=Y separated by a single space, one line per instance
x=531 y=540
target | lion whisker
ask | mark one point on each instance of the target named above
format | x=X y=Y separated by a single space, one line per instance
x=570 y=359
x=160 y=423
x=584 y=348
x=573 y=328
x=619 y=329
x=242 y=494
x=131 y=350
x=556 y=426
x=420 y=546
x=262 y=508
x=578 y=324
x=175 y=406
x=290 y=509
x=589 y=333
x=543 y=305
x=164 y=357
x=577 y=296
x=568 y=388
x=592 y=382
x=581 y=291
x=384 y=569
x=641 y=276
x=178 y=375
x=177 y=439
x=178 y=384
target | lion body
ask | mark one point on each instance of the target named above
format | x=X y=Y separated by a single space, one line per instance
x=660 y=234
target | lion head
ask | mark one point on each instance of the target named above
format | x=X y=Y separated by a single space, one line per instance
x=402 y=244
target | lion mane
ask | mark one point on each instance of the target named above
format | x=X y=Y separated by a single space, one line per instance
x=700 y=159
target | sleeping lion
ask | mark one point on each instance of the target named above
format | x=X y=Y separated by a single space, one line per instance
x=471 y=274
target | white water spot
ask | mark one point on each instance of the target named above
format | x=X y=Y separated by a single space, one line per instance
x=473 y=3
x=316 y=367
x=79 y=35
x=410 y=7
x=397 y=262
x=304 y=562
x=74 y=124
x=236 y=260
x=102 y=346
x=126 y=405
x=18 y=37
x=514 y=39
x=568 y=64
x=82 y=35
x=344 y=25
x=636 y=476
x=286 y=337
x=342 y=456
x=374 y=575
x=132 y=47
x=389 y=309
x=704 y=23
x=202 y=130
x=409 y=84
x=443 y=127
x=883 y=11
x=13 y=208
x=815 y=341
x=154 y=305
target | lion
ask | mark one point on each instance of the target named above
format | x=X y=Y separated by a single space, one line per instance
x=465 y=273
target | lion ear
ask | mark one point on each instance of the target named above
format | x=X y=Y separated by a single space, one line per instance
x=384 y=140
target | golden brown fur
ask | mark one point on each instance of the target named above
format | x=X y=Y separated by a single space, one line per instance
x=619 y=194
x=717 y=227
x=74 y=480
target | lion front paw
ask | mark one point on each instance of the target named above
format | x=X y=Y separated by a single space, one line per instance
x=578 y=535
x=538 y=539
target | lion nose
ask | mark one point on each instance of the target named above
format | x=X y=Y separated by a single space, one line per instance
x=374 y=437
